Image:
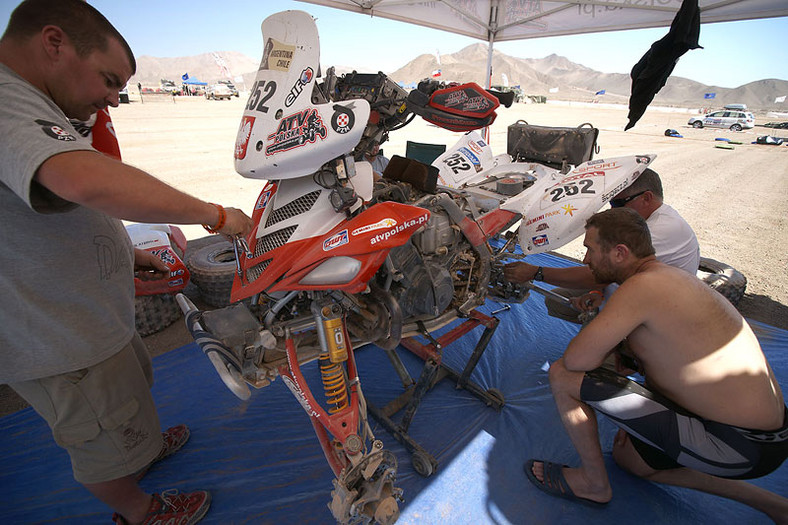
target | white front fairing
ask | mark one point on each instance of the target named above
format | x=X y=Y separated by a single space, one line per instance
x=321 y=216
x=557 y=206
x=282 y=133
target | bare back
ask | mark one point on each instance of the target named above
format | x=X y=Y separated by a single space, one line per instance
x=695 y=348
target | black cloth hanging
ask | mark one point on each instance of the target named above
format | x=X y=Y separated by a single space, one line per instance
x=652 y=71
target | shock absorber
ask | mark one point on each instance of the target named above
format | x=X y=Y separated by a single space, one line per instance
x=333 y=343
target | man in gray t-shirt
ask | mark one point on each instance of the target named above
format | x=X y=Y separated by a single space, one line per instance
x=67 y=338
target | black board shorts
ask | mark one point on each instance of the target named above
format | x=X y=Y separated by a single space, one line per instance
x=666 y=436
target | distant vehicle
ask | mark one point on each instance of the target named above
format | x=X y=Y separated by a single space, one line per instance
x=169 y=86
x=230 y=85
x=123 y=95
x=733 y=120
x=737 y=107
x=218 y=92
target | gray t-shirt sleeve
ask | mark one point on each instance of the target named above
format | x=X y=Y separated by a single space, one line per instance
x=29 y=141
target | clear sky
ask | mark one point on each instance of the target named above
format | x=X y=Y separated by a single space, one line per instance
x=734 y=53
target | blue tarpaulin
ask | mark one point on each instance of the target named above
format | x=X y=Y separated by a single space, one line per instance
x=262 y=463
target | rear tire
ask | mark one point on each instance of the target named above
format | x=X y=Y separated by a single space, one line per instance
x=723 y=278
x=212 y=270
x=736 y=127
x=153 y=313
x=697 y=124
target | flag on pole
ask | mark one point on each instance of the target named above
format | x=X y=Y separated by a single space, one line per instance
x=600 y=92
x=709 y=95
x=185 y=76
x=438 y=56
x=779 y=100
x=505 y=79
x=436 y=73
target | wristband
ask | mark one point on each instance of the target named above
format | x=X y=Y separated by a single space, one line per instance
x=219 y=223
x=597 y=292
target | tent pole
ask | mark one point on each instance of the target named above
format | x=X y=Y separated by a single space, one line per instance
x=492 y=27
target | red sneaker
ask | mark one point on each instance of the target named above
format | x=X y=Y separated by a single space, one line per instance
x=174 y=438
x=173 y=508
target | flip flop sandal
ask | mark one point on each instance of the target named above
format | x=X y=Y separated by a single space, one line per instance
x=554 y=482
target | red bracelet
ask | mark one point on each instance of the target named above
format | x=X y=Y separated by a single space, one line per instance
x=596 y=291
x=220 y=223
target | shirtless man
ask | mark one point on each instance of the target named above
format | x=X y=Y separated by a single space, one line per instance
x=707 y=382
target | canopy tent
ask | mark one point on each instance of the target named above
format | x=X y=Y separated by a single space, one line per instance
x=504 y=20
x=194 y=82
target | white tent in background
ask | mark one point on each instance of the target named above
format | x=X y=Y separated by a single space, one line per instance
x=503 y=20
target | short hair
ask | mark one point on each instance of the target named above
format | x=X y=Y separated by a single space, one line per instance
x=647 y=181
x=87 y=29
x=622 y=226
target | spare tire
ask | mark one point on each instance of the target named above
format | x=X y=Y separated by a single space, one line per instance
x=212 y=270
x=153 y=313
x=723 y=278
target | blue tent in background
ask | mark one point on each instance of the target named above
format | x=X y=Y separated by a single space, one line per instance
x=194 y=82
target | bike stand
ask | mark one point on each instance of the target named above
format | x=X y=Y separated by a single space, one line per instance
x=433 y=372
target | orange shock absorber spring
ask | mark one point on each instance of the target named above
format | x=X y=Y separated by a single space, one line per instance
x=331 y=370
x=334 y=384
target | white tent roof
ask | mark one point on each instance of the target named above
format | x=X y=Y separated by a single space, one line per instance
x=502 y=20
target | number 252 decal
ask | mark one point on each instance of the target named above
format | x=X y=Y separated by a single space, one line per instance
x=261 y=92
x=457 y=163
x=573 y=188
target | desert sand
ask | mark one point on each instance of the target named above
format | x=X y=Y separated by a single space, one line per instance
x=732 y=198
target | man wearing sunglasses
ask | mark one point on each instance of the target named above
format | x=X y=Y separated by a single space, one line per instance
x=673 y=240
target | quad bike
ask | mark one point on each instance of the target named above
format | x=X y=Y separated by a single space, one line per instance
x=155 y=307
x=337 y=259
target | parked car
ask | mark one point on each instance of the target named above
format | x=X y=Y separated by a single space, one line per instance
x=733 y=120
x=218 y=92
x=230 y=85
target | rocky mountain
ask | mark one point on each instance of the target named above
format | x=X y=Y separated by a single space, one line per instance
x=535 y=76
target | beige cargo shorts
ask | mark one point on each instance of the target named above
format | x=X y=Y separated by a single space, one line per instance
x=103 y=416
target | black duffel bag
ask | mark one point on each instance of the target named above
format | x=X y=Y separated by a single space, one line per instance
x=554 y=146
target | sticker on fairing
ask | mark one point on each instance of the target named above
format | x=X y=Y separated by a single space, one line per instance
x=55 y=131
x=242 y=139
x=343 y=119
x=277 y=55
x=298 y=87
x=335 y=241
x=296 y=130
x=385 y=223
x=540 y=240
x=262 y=202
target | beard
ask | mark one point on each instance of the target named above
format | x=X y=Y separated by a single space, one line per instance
x=604 y=272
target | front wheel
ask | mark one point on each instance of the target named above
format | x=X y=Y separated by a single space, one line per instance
x=697 y=124
x=736 y=127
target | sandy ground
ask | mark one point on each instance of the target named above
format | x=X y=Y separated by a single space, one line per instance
x=732 y=198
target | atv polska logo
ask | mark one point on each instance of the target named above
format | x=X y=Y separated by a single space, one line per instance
x=382 y=237
x=296 y=130
x=335 y=241
x=305 y=78
x=55 y=131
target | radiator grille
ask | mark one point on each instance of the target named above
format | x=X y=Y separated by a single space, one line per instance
x=291 y=209
x=255 y=271
x=273 y=240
